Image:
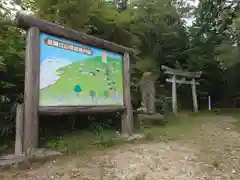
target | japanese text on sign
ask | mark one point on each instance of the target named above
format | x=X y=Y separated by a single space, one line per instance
x=66 y=46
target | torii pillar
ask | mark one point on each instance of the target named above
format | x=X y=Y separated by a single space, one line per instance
x=183 y=74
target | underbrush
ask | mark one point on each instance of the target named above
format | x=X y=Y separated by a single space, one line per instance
x=73 y=135
x=77 y=141
x=178 y=127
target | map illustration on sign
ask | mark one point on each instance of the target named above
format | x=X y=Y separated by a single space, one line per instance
x=73 y=74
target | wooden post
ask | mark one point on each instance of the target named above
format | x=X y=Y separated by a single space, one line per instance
x=194 y=96
x=144 y=92
x=31 y=92
x=127 y=116
x=19 y=131
x=152 y=98
x=174 y=95
x=209 y=103
x=177 y=72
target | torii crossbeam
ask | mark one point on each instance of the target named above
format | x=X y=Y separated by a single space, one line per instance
x=184 y=74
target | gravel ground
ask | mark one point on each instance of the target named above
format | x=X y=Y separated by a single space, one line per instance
x=212 y=153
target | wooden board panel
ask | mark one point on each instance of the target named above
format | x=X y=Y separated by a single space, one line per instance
x=77 y=109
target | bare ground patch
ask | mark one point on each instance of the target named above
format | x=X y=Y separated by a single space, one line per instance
x=219 y=144
x=211 y=151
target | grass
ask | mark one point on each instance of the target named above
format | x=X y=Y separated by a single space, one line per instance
x=75 y=143
x=237 y=124
x=177 y=127
x=181 y=127
x=82 y=140
x=79 y=141
x=141 y=176
x=234 y=113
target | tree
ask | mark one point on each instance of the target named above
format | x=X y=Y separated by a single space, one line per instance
x=212 y=28
x=11 y=56
x=211 y=45
x=77 y=89
x=11 y=69
x=92 y=93
x=156 y=29
x=70 y=13
x=160 y=29
x=107 y=70
x=106 y=94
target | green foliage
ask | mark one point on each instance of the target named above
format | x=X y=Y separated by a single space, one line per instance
x=77 y=89
x=163 y=106
x=212 y=46
x=92 y=94
x=69 y=13
x=11 y=59
x=98 y=127
x=11 y=71
x=160 y=30
x=141 y=176
x=154 y=28
x=106 y=94
x=78 y=141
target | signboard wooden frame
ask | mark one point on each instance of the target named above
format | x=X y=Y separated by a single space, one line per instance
x=34 y=27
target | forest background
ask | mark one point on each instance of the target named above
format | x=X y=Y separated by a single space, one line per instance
x=202 y=36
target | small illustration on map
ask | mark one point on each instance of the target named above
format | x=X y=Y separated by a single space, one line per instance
x=73 y=74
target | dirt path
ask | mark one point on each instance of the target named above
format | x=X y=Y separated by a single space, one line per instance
x=212 y=152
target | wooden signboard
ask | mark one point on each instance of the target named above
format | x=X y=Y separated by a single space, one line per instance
x=72 y=72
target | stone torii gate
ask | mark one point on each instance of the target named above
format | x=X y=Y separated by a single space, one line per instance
x=183 y=74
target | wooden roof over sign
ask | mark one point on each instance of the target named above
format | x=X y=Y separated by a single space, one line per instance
x=25 y=21
x=178 y=72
